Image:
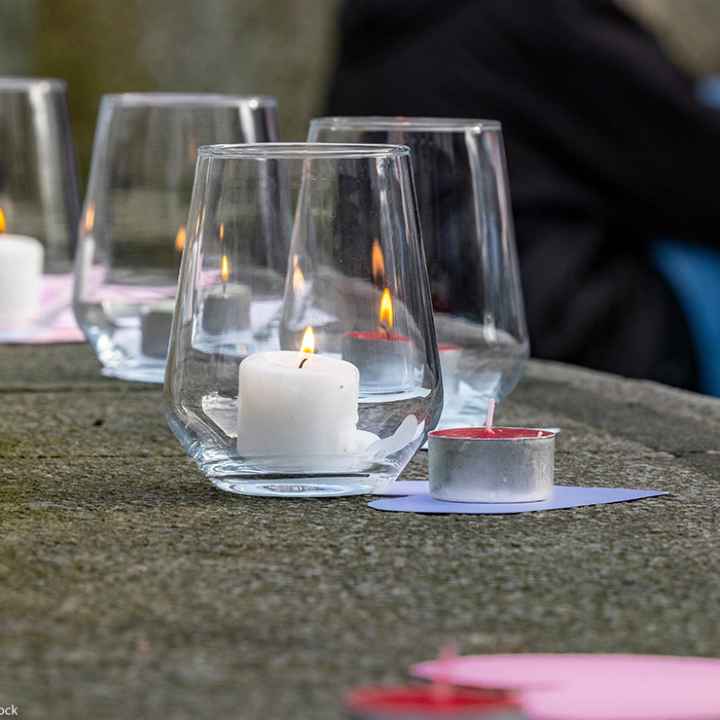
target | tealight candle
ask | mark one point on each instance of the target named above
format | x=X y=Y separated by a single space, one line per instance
x=155 y=326
x=491 y=464
x=21 y=265
x=383 y=357
x=422 y=702
x=297 y=404
x=227 y=309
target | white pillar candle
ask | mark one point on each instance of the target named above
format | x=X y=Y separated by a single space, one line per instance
x=288 y=410
x=21 y=266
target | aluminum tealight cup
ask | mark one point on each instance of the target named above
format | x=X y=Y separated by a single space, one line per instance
x=491 y=465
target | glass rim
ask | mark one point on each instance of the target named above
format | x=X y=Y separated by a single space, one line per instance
x=302 y=151
x=178 y=98
x=398 y=122
x=10 y=82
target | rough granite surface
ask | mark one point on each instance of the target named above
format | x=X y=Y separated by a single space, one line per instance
x=132 y=588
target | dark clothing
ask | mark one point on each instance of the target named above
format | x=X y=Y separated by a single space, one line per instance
x=607 y=149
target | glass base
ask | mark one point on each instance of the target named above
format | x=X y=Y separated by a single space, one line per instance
x=137 y=373
x=295 y=488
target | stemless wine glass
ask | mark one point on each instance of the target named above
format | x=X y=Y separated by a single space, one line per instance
x=466 y=218
x=347 y=395
x=38 y=179
x=132 y=232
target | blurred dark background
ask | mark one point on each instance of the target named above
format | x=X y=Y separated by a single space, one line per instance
x=279 y=47
x=274 y=47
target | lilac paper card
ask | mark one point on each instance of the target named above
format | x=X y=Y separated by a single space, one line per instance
x=563 y=497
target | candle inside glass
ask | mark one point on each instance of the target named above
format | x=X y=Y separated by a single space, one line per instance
x=21 y=266
x=227 y=308
x=155 y=326
x=297 y=404
x=383 y=357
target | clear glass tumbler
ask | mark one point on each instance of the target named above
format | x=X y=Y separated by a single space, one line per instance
x=329 y=386
x=467 y=228
x=38 y=176
x=133 y=228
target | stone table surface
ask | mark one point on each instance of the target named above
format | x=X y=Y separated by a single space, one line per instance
x=132 y=588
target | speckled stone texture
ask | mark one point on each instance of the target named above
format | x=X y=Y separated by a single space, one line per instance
x=132 y=588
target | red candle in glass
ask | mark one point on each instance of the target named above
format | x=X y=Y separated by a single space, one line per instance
x=383 y=357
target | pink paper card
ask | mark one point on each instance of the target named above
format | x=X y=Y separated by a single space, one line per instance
x=592 y=687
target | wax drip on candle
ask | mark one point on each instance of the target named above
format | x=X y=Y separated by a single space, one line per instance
x=490 y=416
x=308 y=345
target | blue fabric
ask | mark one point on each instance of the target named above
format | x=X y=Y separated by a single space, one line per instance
x=694 y=274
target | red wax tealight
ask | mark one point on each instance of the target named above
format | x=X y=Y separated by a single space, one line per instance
x=494 y=433
x=492 y=464
x=377 y=336
x=384 y=359
x=430 y=701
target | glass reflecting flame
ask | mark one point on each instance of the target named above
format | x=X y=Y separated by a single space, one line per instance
x=377 y=260
x=298 y=279
x=180 y=239
x=90 y=218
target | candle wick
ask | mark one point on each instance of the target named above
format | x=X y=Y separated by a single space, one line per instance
x=490 y=416
x=302 y=362
x=385 y=329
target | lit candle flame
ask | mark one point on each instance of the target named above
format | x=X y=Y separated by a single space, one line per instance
x=180 y=239
x=386 y=309
x=3 y=223
x=377 y=261
x=308 y=341
x=221 y=232
x=298 y=279
x=90 y=218
x=225 y=268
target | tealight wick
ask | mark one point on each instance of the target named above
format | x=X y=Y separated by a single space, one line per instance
x=302 y=362
x=490 y=416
